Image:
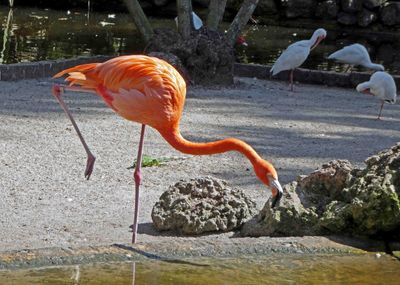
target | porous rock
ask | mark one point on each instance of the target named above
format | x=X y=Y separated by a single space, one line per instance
x=347 y=19
x=366 y=17
x=351 y=5
x=299 y=8
x=288 y=218
x=202 y=205
x=338 y=199
x=372 y=4
x=327 y=9
x=390 y=13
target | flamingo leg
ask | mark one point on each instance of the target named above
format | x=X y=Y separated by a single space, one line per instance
x=57 y=90
x=291 y=79
x=138 y=178
x=380 y=111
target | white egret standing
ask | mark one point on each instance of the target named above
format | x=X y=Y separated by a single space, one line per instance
x=353 y=55
x=381 y=85
x=296 y=54
x=197 y=22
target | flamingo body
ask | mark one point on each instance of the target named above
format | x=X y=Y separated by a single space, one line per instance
x=151 y=92
x=355 y=54
x=381 y=85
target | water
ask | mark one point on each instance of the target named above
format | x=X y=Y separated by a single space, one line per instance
x=30 y=34
x=274 y=269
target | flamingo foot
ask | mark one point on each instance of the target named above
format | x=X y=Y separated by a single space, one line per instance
x=89 y=165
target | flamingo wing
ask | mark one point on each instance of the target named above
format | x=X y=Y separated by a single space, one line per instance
x=143 y=89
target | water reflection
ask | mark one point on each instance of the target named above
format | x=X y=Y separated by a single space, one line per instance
x=31 y=34
x=274 y=269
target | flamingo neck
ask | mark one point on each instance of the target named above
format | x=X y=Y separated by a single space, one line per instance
x=175 y=139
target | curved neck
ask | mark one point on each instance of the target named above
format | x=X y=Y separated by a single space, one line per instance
x=175 y=139
x=374 y=66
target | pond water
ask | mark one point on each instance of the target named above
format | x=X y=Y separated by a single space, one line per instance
x=274 y=269
x=30 y=34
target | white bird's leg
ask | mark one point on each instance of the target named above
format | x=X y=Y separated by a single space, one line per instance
x=138 y=178
x=380 y=111
x=57 y=89
x=291 y=79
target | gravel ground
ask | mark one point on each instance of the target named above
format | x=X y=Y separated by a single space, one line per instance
x=46 y=202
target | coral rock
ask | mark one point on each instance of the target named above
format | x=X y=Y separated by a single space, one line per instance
x=202 y=205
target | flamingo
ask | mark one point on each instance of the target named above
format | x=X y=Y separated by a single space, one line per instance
x=353 y=55
x=149 y=91
x=381 y=85
x=296 y=54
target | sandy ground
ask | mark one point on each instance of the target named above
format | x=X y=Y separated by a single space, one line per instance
x=46 y=202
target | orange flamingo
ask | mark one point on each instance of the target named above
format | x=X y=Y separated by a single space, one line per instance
x=151 y=92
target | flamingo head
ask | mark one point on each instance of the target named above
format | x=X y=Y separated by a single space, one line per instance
x=268 y=175
x=241 y=41
x=318 y=35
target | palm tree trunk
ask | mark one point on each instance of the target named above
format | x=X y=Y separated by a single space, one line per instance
x=185 y=24
x=216 y=11
x=140 y=19
x=241 y=19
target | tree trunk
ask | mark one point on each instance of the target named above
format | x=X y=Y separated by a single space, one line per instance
x=160 y=2
x=185 y=24
x=215 y=13
x=241 y=19
x=140 y=19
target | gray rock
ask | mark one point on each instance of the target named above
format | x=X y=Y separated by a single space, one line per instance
x=202 y=205
x=371 y=4
x=289 y=218
x=351 y=6
x=366 y=17
x=338 y=199
x=347 y=19
x=390 y=13
x=327 y=9
x=325 y=184
x=300 y=8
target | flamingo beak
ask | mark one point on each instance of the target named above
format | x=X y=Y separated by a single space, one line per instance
x=277 y=188
x=320 y=38
x=245 y=44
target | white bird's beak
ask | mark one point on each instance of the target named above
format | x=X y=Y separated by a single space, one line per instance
x=317 y=42
x=277 y=186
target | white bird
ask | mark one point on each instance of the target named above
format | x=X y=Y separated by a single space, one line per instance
x=197 y=22
x=353 y=55
x=296 y=54
x=381 y=85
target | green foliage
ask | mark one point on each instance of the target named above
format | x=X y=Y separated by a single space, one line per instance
x=148 y=161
